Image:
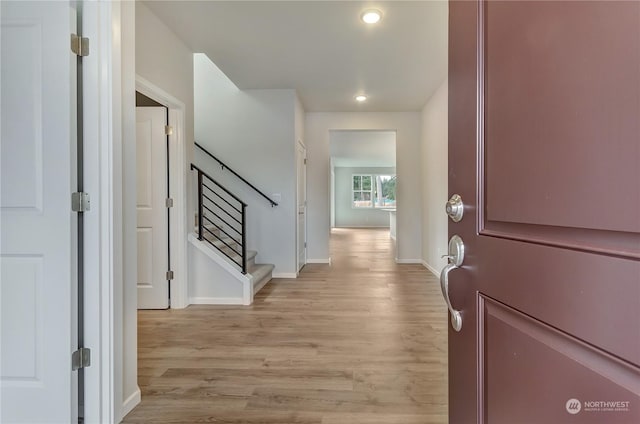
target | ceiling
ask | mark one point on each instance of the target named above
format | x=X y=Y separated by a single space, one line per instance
x=363 y=148
x=321 y=48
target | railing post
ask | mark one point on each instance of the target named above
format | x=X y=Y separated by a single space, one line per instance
x=200 y=208
x=244 y=239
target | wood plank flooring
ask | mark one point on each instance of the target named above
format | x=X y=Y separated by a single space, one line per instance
x=360 y=341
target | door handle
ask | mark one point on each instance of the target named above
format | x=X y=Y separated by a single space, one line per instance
x=456 y=257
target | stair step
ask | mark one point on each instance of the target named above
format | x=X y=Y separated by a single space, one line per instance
x=220 y=241
x=262 y=274
x=235 y=258
x=209 y=227
x=251 y=259
x=251 y=254
x=260 y=271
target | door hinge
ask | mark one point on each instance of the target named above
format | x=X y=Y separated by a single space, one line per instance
x=169 y=275
x=168 y=130
x=305 y=161
x=79 y=45
x=81 y=358
x=305 y=244
x=169 y=202
x=80 y=202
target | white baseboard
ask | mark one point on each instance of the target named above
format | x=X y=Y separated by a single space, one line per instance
x=284 y=275
x=433 y=270
x=216 y=301
x=131 y=402
x=408 y=261
x=362 y=226
x=319 y=261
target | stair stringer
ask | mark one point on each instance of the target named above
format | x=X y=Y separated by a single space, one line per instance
x=213 y=280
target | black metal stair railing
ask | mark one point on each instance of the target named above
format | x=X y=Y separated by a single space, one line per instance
x=225 y=166
x=221 y=219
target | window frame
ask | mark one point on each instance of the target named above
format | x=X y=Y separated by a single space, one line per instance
x=371 y=191
x=361 y=190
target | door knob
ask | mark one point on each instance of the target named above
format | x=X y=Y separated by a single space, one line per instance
x=456 y=257
x=455 y=208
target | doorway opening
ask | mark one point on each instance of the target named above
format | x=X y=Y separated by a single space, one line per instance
x=363 y=181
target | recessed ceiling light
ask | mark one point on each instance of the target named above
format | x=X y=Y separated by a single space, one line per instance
x=361 y=98
x=371 y=16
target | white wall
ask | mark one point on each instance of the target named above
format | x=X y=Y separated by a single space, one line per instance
x=435 y=179
x=213 y=280
x=127 y=308
x=345 y=214
x=253 y=132
x=409 y=189
x=142 y=35
x=165 y=61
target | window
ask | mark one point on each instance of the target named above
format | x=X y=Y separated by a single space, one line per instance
x=362 y=191
x=373 y=191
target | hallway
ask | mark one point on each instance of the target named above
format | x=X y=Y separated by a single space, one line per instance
x=360 y=341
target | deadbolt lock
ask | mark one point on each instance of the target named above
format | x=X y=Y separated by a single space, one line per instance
x=455 y=208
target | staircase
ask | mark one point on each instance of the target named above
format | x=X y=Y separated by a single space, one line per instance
x=222 y=269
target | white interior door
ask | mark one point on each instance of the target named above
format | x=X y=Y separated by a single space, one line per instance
x=302 y=204
x=153 y=231
x=38 y=253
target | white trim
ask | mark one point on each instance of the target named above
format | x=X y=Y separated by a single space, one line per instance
x=101 y=91
x=285 y=274
x=125 y=364
x=363 y=226
x=178 y=189
x=216 y=301
x=408 y=261
x=433 y=270
x=392 y=237
x=131 y=402
x=306 y=234
x=319 y=261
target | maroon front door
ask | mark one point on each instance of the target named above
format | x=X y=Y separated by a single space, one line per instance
x=544 y=150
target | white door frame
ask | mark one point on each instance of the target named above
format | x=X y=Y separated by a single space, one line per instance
x=105 y=73
x=100 y=223
x=106 y=78
x=298 y=238
x=177 y=187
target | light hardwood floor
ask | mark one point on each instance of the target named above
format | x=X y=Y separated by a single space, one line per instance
x=360 y=341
